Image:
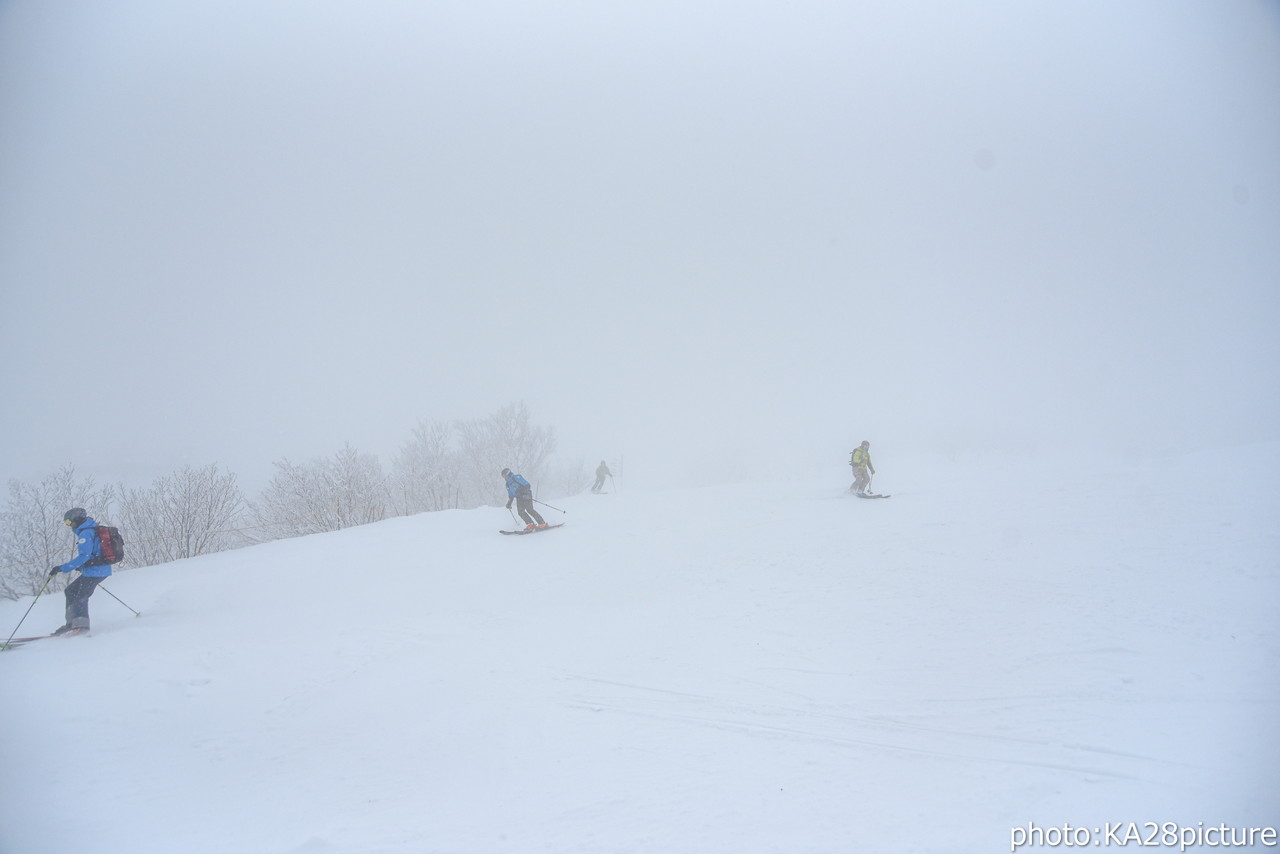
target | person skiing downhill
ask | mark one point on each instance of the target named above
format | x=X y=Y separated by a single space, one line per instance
x=88 y=547
x=519 y=491
x=860 y=460
x=602 y=471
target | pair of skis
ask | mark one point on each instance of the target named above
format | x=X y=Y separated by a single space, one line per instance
x=532 y=530
x=14 y=643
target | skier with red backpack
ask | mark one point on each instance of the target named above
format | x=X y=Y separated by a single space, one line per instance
x=93 y=564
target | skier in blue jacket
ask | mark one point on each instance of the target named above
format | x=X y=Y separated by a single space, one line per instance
x=78 y=592
x=519 y=491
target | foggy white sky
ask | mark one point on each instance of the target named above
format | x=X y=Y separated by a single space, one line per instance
x=709 y=236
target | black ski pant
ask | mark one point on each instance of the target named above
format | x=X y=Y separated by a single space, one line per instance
x=595 y=487
x=524 y=506
x=78 y=593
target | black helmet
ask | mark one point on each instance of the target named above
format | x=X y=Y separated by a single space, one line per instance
x=75 y=517
x=506 y=472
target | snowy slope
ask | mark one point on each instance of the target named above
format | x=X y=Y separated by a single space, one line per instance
x=734 y=669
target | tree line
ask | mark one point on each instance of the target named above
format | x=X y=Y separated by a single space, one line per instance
x=194 y=511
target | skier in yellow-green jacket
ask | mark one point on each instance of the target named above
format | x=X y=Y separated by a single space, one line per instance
x=860 y=461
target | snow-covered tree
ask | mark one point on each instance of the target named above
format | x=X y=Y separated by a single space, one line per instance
x=185 y=514
x=329 y=494
x=506 y=439
x=426 y=473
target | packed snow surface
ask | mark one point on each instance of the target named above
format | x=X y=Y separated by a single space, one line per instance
x=741 y=668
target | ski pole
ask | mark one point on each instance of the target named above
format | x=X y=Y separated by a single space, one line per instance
x=29 y=607
x=118 y=599
x=557 y=509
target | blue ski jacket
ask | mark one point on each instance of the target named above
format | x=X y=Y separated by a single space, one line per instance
x=87 y=548
x=516 y=485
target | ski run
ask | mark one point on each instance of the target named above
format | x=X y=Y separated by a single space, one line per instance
x=745 y=668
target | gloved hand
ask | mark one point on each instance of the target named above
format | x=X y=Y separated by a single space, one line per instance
x=55 y=571
x=508 y=503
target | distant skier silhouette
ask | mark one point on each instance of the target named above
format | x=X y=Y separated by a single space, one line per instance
x=602 y=471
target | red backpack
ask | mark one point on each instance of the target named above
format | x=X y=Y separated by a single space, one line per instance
x=110 y=546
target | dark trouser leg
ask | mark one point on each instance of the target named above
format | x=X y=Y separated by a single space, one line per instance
x=78 y=593
x=595 y=487
x=527 y=513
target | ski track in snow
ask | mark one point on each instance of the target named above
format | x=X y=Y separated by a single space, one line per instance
x=814 y=724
